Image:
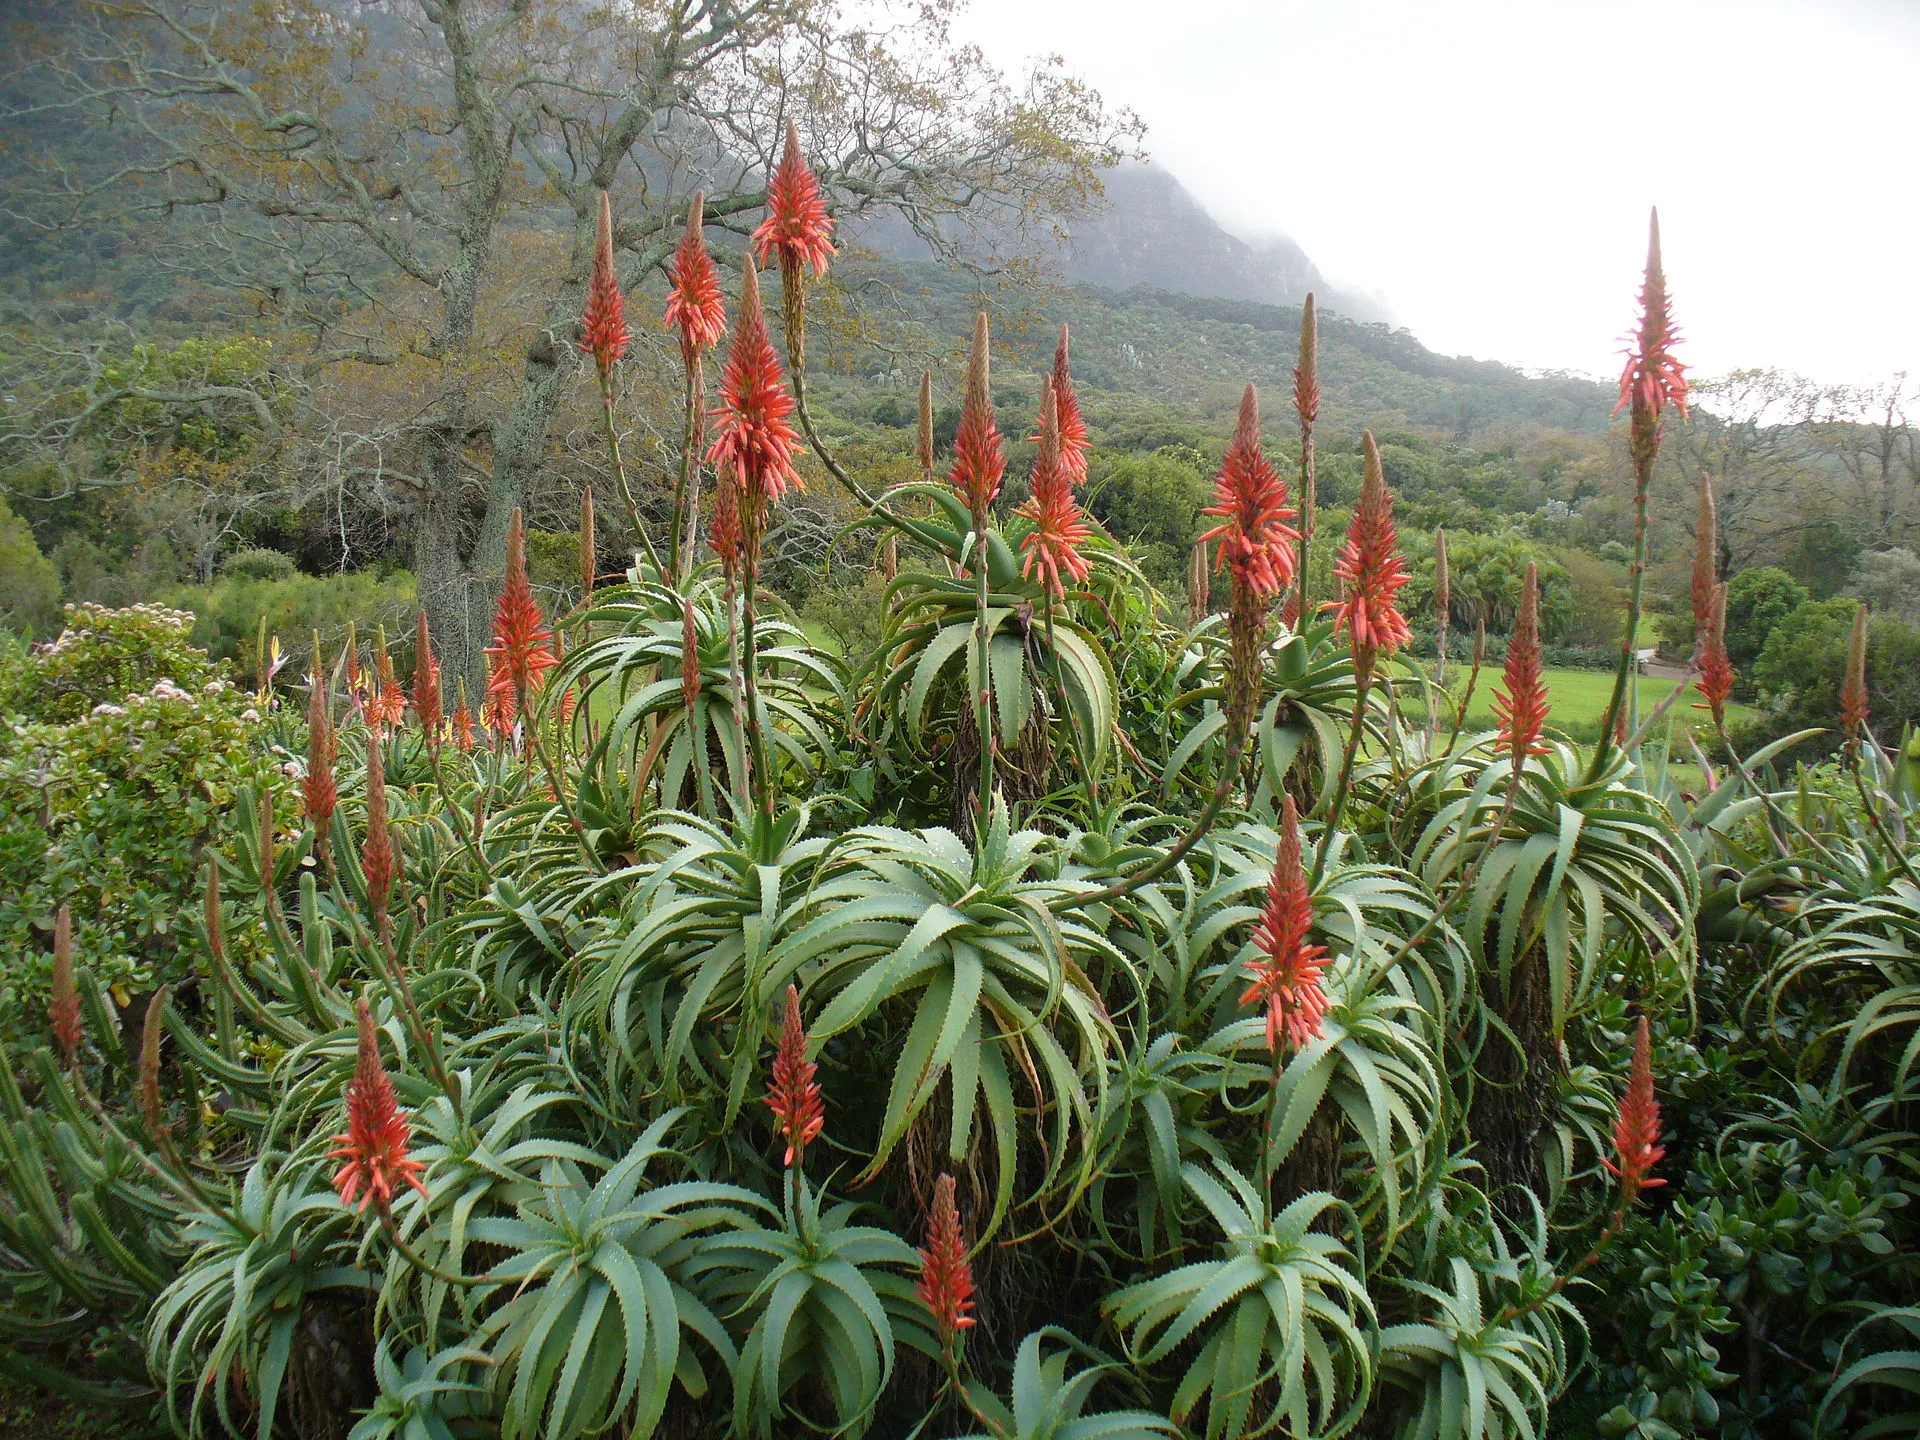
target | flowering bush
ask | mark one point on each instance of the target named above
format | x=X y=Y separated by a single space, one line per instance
x=115 y=812
x=1063 y=1018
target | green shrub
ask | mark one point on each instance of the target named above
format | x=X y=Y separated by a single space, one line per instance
x=1801 y=670
x=228 y=612
x=259 y=564
x=112 y=789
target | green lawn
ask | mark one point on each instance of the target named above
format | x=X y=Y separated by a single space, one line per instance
x=1579 y=698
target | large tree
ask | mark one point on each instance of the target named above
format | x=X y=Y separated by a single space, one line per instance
x=388 y=179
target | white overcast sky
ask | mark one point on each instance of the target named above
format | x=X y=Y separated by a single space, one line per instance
x=1485 y=166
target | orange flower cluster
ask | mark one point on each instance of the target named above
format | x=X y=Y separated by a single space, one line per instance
x=1059 y=528
x=1250 y=500
x=946 y=1276
x=794 y=1096
x=1288 y=977
x=1522 y=706
x=462 y=723
x=1072 y=429
x=373 y=1150
x=723 y=536
x=978 y=463
x=1636 y=1131
x=796 y=227
x=752 y=437
x=522 y=648
x=498 y=712
x=1371 y=568
x=1653 y=379
x=377 y=861
x=426 y=679
x=695 y=305
x=388 y=706
x=603 y=323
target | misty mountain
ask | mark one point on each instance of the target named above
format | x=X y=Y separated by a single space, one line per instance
x=1153 y=232
x=1150 y=231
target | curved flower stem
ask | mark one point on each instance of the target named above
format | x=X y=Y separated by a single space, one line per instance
x=686 y=493
x=1510 y=1311
x=1867 y=800
x=756 y=738
x=1630 y=636
x=1202 y=824
x=739 y=684
x=536 y=741
x=1363 y=682
x=470 y=839
x=852 y=486
x=620 y=474
x=388 y=972
x=1089 y=781
x=982 y=682
x=419 y=1262
x=176 y=1177
x=956 y=1382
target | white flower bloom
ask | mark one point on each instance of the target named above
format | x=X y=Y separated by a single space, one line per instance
x=104 y=709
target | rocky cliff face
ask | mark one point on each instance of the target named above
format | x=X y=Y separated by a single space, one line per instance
x=1153 y=232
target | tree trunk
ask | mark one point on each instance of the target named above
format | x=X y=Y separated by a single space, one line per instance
x=1519 y=1076
x=1314 y=1163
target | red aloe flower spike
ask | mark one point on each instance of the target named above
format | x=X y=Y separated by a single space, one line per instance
x=521 y=649
x=1371 y=568
x=373 y=1148
x=794 y=1096
x=946 y=1276
x=1716 y=669
x=63 y=1006
x=751 y=434
x=978 y=463
x=689 y=655
x=1073 y=429
x=1058 y=529
x=1288 y=979
x=1250 y=499
x=603 y=323
x=723 y=536
x=463 y=721
x=797 y=226
x=498 y=712
x=389 y=705
x=1706 y=559
x=318 y=789
x=1522 y=706
x=695 y=305
x=350 y=657
x=377 y=860
x=926 y=424
x=1636 y=1133
x=1653 y=379
x=426 y=679
x=1853 y=694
